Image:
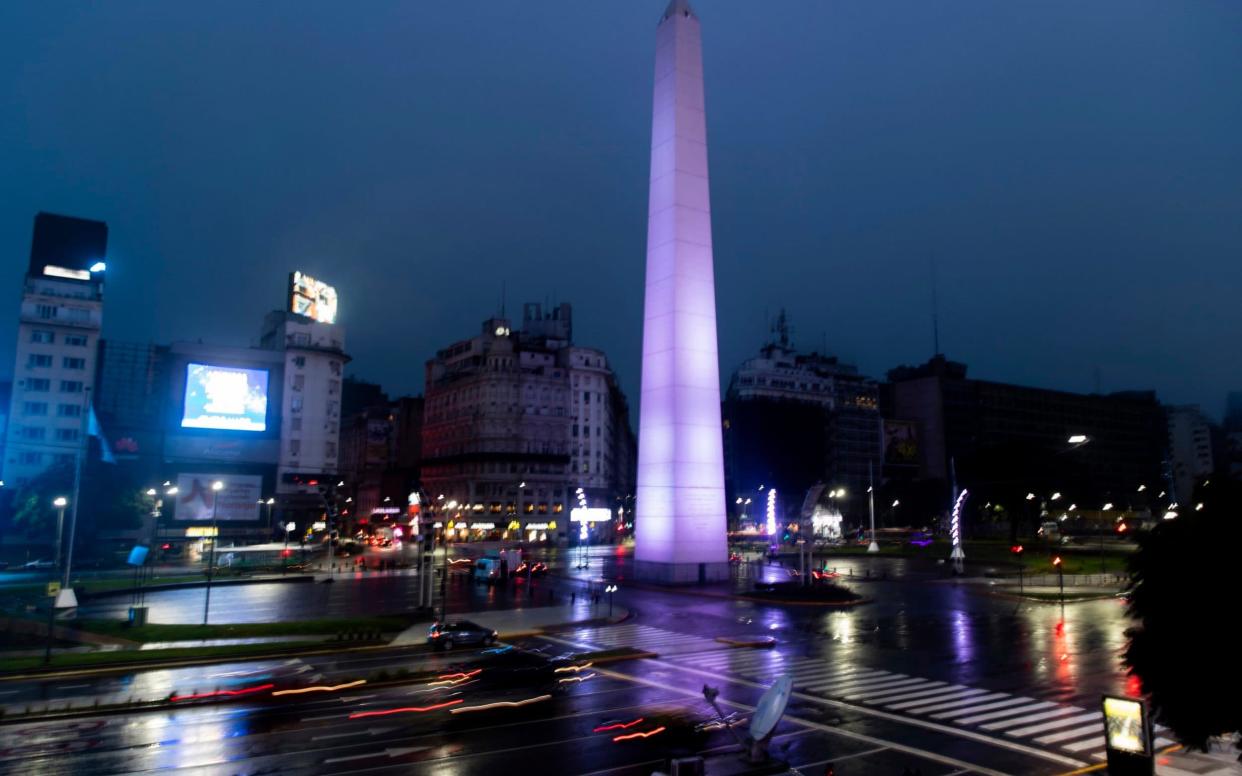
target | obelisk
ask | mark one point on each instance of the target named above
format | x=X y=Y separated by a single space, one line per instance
x=680 y=529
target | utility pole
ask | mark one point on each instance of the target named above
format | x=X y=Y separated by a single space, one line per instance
x=874 y=546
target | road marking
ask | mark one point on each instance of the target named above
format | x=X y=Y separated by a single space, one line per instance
x=368 y=731
x=1008 y=723
x=986 y=707
x=1032 y=705
x=945 y=696
x=896 y=695
x=390 y=753
x=72 y=686
x=1093 y=716
x=845 y=757
x=958 y=704
x=1086 y=746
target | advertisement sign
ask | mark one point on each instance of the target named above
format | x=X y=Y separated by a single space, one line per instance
x=312 y=298
x=590 y=515
x=224 y=397
x=1124 y=727
x=901 y=446
x=237 y=501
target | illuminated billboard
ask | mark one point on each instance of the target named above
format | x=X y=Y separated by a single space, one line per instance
x=225 y=398
x=1125 y=726
x=237 y=500
x=312 y=298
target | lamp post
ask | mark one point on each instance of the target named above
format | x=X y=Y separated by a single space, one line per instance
x=60 y=503
x=874 y=546
x=610 y=590
x=216 y=487
x=1056 y=561
x=1103 y=530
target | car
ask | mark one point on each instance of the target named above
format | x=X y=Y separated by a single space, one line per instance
x=40 y=564
x=446 y=635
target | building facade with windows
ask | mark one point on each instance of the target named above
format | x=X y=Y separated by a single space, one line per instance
x=521 y=426
x=58 y=331
x=796 y=419
x=1191 y=458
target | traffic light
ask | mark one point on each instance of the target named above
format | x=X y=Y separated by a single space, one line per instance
x=1017 y=549
x=1056 y=561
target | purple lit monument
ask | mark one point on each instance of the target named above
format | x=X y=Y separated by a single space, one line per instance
x=680 y=530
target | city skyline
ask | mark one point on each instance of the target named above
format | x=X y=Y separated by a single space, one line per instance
x=1037 y=287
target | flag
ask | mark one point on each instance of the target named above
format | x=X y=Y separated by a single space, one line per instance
x=105 y=449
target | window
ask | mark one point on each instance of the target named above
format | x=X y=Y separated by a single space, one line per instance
x=586 y=431
x=38 y=360
x=33 y=432
x=66 y=435
x=333 y=408
x=28 y=457
x=575 y=429
x=46 y=311
x=329 y=449
x=299 y=382
x=334 y=387
x=69 y=410
x=295 y=446
x=295 y=424
x=38 y=384
x=79 y=314
x=71 y=386
x=75 y=340
x=295 y=404
x=73 y=363
x=586 y=397
x=42 y=336
x=335 y=367
x=34 y=408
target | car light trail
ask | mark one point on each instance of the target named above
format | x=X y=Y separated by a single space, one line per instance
x=641 y=734
x=575 y=669
x=618 y=726
x=406 y=710
x=500 y=705
x=578 y=678
x=320 y=688
x=461 y=675
x=218 y=693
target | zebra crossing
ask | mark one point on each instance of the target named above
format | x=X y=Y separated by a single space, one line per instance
x=658 y=640
x=1045 y=724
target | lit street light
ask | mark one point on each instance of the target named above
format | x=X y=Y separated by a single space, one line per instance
x=1079 y=439
x=60 y=503
x=216 y=487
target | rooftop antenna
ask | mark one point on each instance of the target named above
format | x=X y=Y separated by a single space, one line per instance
x=935 y=312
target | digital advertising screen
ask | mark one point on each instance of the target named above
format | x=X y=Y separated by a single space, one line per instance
x=312 y=298
x=1125 y=725
x=225 y=398
x=238 y=500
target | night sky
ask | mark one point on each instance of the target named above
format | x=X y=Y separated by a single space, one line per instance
x=1074 y=171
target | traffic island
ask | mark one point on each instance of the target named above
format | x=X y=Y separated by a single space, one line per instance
x=818 y=594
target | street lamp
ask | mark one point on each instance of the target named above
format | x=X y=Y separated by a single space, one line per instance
x=216 y=487
x=1079 y=439
x=60 y=502
x=610 y=590
x=284 y=565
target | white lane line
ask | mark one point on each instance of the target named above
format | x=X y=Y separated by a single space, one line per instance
x=943 y=696
x=841 y=685
x=913 y=721
x=1060 y=711
x=820 y=686
x=877 y=742
x=958 y=704
x=1069 y=735
x=1059 y=723
x=972 y=709
x=1004 y=712
x=72 y=686
x=940 y=688
x=867 y=693
x=1089 y=745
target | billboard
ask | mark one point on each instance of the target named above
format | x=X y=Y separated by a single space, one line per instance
x=225 y=397
x=312 y=298
x=237 y=501
x=901 y=443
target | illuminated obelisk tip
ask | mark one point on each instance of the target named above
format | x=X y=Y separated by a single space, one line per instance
x=680 y=527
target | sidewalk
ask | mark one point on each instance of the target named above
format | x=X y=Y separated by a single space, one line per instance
x=513 y=623
x=1222 y=760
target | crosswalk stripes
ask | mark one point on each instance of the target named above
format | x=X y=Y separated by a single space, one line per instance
x=647 y=637
x=1044 y=723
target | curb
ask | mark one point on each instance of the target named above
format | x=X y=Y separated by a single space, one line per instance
x=190 y=585
x=764 y=643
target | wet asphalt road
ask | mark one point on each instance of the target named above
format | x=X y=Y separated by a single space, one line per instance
x=929 y=674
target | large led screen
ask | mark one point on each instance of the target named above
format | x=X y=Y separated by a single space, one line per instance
x=224 y=397
x=312 y=298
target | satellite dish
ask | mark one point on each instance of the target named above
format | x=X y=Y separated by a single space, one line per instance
x=771 y=707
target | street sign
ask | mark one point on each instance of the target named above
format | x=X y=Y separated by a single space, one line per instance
x=53 y=588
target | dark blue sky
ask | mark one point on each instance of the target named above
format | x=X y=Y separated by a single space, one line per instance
x=1074 y=169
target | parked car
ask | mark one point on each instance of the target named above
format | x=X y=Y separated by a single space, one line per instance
x=446 y=635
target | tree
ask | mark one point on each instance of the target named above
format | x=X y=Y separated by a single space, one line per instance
x=33 y=512
x=1183 y=600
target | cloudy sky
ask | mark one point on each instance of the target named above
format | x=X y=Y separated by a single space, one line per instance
x=1073 y=170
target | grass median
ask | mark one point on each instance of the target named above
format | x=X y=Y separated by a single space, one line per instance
x=1036 y=558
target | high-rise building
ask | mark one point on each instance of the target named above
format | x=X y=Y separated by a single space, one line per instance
x=1190 y=449
x=1007 y=440
x=793 y=420
x=521 y=426
x=380 y=456
x=314 y=368
x=57 y=338
x=680 y=526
